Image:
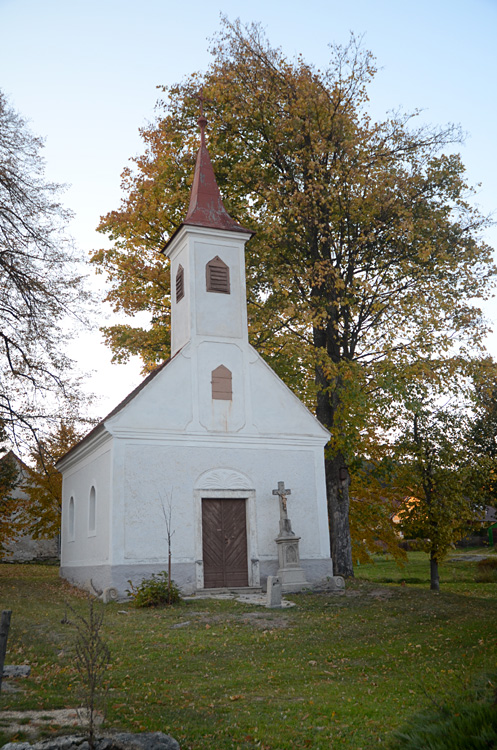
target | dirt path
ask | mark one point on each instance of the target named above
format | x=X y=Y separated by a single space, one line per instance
x=30 y=722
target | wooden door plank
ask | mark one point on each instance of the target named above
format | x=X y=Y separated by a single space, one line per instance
x=224 y=540
x=235 y=527
x=212 y=539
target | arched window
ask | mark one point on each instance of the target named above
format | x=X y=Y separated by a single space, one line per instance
x=221 y=383
x=217 y=276
x=180 y=283
x=92 y=510
x=70 y=519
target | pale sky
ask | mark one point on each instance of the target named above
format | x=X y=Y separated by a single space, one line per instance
x=84 y=73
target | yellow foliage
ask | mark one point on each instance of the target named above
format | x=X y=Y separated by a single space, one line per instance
x=41 y=512
x=367 y=256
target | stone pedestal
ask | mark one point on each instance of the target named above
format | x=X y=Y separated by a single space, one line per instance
x=291 y=575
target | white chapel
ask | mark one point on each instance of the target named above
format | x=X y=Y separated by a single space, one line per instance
x=203 y=441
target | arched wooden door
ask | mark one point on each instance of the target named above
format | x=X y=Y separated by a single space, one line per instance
x=224 y=543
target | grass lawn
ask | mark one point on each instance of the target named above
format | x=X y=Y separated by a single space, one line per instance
x=335 y=671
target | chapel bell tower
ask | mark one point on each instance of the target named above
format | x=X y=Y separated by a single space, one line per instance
x=208 y=297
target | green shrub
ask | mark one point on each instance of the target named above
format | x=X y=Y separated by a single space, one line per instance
x=486 y=571
x=154 y=591
x=468 y=722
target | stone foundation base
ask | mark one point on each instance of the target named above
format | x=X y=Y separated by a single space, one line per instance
x=107 y=578
x=318 y=571
x=111 y=582
x=292 y=579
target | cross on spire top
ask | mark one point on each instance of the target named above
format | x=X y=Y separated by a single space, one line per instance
x=201 y=99
x=202 y=120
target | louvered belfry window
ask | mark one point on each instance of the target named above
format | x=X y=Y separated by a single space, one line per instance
x=180 y=283
x=217 y=276
x=221 y=384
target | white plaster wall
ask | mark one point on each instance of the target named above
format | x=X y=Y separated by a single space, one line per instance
x=164 y=404
x=87 y=547
x=207 y=313
x=276 y=410
x=154 y=479
x=216 y=414
x=179 y=399
x=156 y=473
x=220 y=314
x=181 y=311
x=117 y=519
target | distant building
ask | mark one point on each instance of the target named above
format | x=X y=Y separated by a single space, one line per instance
x=23 y=548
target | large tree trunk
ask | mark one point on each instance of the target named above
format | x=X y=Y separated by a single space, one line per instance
x=434 y=579
x=337 y=477
x=337 y=488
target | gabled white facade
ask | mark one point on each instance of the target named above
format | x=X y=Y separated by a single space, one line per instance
x=171 y=447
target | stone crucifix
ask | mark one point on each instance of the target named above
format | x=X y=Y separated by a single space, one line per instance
x=290 y=572
x=285 y=523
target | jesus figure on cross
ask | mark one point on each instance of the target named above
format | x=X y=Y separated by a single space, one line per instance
x=282 y=492
x=285 y=523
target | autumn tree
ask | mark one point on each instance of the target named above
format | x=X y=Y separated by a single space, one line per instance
x=378 y=492
x=41 y=513
x=484 y=433
x=367 y=256
x=441 y=468
x=39 y=281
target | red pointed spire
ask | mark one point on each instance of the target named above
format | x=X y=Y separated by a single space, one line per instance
x=206 y=206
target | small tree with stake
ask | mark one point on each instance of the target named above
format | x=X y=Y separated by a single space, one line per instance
x=92 y=657
x=167 y=511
